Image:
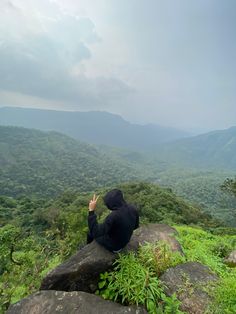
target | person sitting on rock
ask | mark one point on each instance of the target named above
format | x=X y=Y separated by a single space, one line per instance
x=115 y=232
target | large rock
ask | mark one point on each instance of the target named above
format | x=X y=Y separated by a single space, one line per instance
x=51 y=302
x=231 y=259
x=81 y=272
x=152 y=233
x=189 y=281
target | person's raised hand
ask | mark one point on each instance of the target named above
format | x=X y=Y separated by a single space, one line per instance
x=93 y=202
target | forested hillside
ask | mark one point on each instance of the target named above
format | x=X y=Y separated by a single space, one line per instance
x=202 y=188
x=36 y=163
x=37 y=234
x=215 y=150
x=96 y=127
x=46 y=163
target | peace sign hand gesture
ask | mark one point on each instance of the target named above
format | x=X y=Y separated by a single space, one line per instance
x=93 y=202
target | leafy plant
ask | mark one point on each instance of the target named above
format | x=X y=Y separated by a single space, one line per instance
x=159 y=257
x=134 y=280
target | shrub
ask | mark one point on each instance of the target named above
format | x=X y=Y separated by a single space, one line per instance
x=159 y=257
x=134 y=280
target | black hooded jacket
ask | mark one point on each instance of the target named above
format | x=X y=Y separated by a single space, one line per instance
x=118 y=226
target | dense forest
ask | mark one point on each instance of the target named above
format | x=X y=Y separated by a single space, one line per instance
x=47 y=179
x=200 y=187
x=46 y=163
x=203 y=188
x=214 y=150
x=37 y=234
x=209 y=151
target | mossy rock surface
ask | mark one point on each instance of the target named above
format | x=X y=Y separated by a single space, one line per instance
x=51 y=302
x=189 y=282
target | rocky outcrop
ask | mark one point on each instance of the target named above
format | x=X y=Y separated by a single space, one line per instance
x=51 y=302
x=189 y=281
x=81 y=272
x=80 y=275
x=152 y=233
x=231 y=259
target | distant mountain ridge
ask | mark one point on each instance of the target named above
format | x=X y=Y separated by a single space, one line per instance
x=216 y=149
x=93 y=127
x=212 y=150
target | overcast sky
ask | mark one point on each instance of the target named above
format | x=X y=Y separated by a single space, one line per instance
x=170 y=62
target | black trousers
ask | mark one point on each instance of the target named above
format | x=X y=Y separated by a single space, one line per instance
x=89 y=238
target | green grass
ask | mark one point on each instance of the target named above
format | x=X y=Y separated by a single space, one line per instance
x=210 y=250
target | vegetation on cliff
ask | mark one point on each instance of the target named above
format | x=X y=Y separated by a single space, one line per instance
x=37 y=234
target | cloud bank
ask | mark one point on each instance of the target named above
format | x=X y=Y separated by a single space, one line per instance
x=165 y=62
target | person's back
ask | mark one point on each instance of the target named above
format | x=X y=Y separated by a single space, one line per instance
x=117 y=229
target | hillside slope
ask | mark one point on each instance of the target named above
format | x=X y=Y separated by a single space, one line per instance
x=94 y=127
x=46 y=163
x=211 y=150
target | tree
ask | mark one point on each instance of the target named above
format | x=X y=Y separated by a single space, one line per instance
x=229 y=186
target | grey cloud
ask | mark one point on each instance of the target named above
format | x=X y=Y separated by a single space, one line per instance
x=8 y=5
x=43 y=71
x=42 y=64
x=178 y=56
x=71 y=28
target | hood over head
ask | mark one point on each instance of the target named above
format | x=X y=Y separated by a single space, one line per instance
x=114 y=199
